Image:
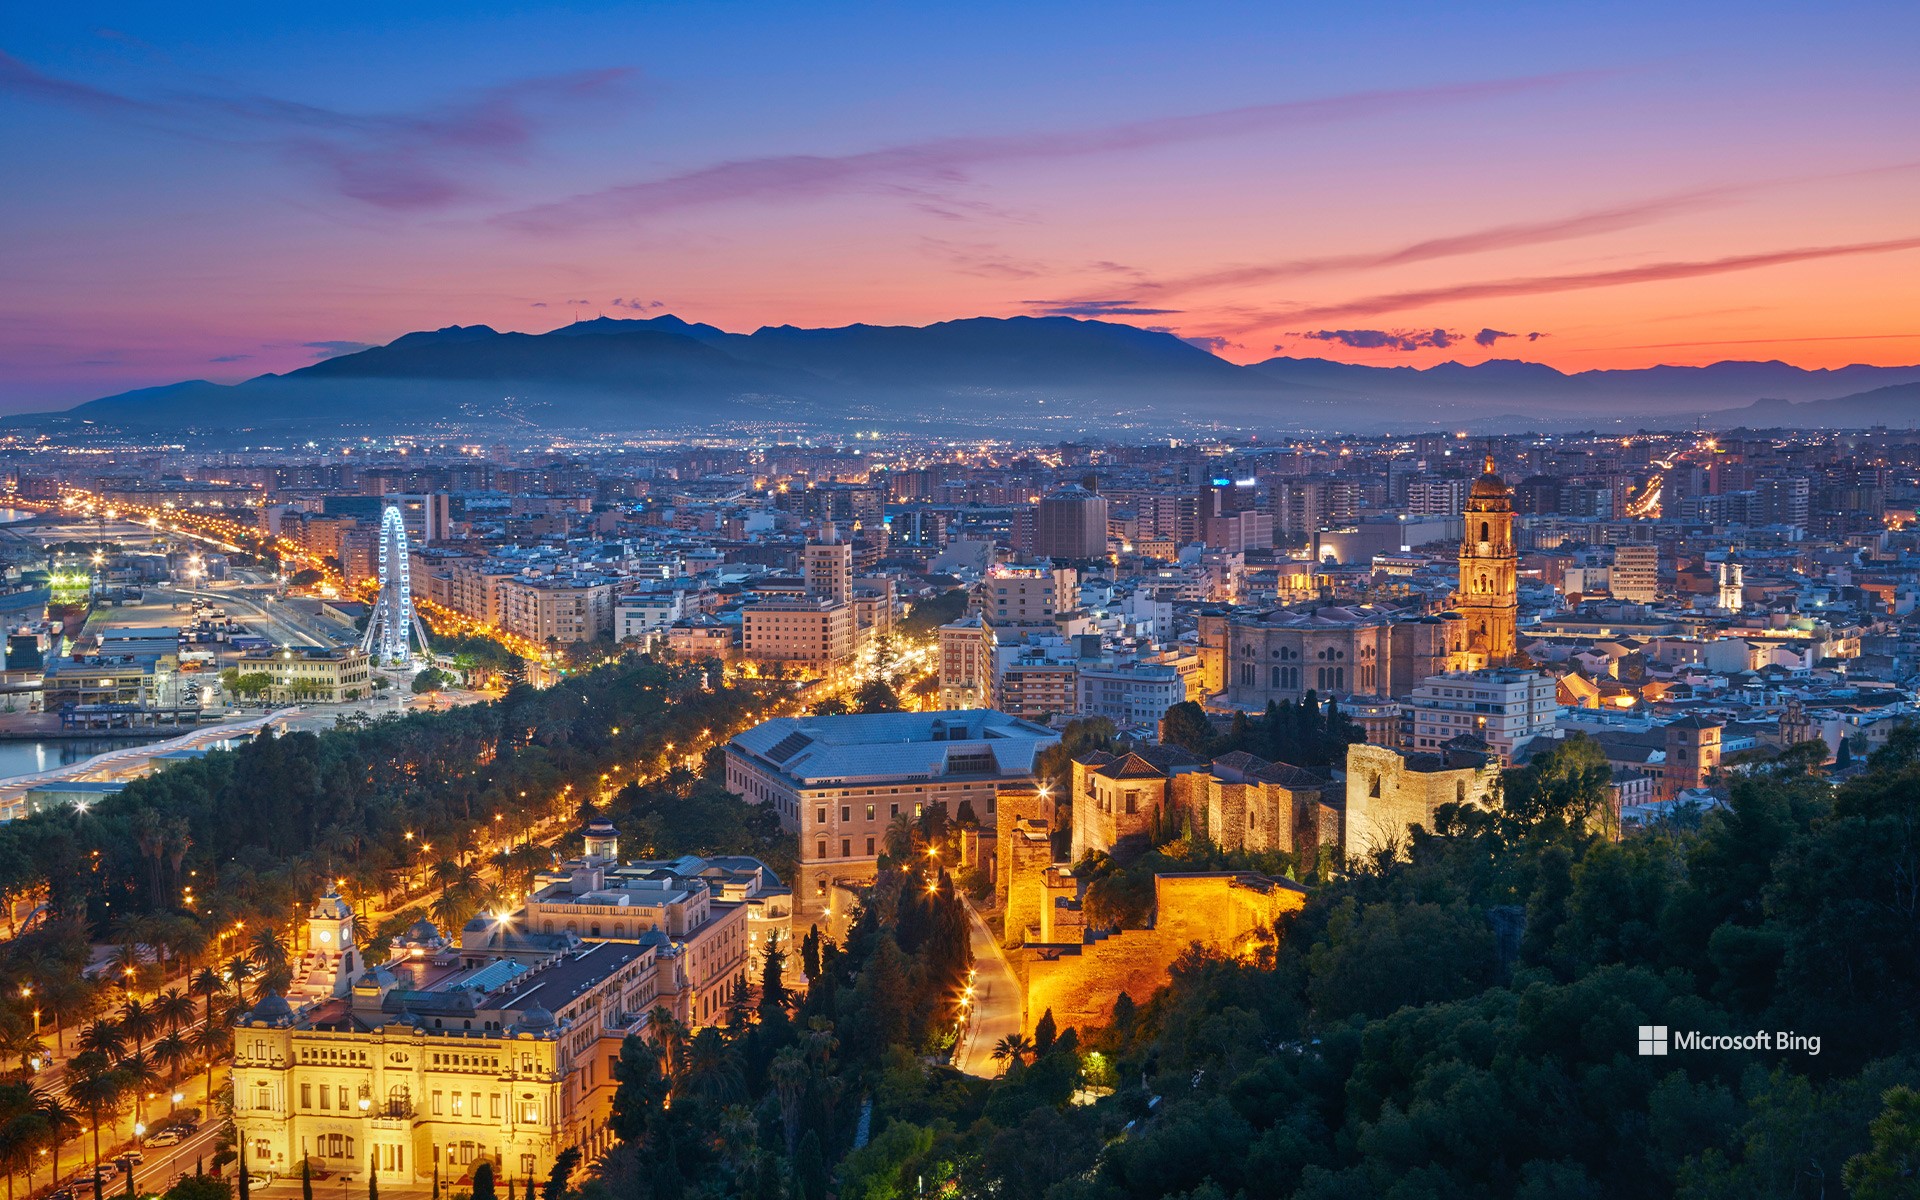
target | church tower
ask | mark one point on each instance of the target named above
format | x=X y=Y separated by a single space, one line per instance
x=1488 y=598
x=1731 y=586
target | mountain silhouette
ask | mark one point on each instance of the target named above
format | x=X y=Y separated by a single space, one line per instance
x=1056 y=373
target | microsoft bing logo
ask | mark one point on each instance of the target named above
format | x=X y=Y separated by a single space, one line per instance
x=1653 y=1039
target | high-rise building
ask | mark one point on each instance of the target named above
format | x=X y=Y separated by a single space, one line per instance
x=1436 y=495
x=1071 y=524
x=1488 y=596
x=1636 y=574
x=828 y=568
x=966 y=663
x=1026 y=596
x=805 y=631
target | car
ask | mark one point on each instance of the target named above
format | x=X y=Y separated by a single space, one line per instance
x=130 y=1156
x=62 y=1194
x=166 y=1137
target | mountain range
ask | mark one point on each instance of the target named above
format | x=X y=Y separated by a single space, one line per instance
x=1058 y=374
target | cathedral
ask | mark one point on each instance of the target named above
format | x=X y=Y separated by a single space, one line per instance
x=1488 y=596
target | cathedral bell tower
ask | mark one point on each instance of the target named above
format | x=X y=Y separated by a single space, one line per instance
x=1488 y=598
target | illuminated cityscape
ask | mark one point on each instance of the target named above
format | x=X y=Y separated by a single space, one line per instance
x=1042 y=602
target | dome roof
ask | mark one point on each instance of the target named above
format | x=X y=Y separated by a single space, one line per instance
x=271 y=1007
x=1490 y=486
x=535 y=1020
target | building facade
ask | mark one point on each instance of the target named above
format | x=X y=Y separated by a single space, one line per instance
x=1504 y=707
x=333 y=675
x=817 y=632
x=839 y=781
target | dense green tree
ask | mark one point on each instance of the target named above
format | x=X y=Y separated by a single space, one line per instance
x=1186 y=725
x=1890 y=1170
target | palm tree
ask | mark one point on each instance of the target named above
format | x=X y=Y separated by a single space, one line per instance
x=212 y=1041
x=788 y=1074
x=207 y=983
x=126 y=963
x=138 y=1022
x=270 y=951
x=189 y=938
x=61 y=1124
x=713 y=1073
x=18 y=1040
x=174 y=1008
x=19 y=1130
x=239 y=970
x=172 y=1052
x=453 y=907
x=97 y=1088
x=104 y=1038
x=671 y=1035
x=1011 y=1049
x=139 y=1078
x=446 y=873
x=67 y=998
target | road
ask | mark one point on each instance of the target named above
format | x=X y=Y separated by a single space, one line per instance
x=996 y=1001
x=280 y=625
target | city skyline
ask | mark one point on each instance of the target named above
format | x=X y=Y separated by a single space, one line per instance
x=204 y=197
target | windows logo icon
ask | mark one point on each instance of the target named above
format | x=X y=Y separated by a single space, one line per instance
x=1653 y=1039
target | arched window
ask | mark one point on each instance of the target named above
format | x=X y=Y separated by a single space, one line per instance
x=1485 y=534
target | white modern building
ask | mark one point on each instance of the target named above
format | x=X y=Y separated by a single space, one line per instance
x=1131 y=695
x=1503 y=706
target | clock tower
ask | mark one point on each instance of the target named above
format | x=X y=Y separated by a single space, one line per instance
x=1488 y=598
x=333 y=957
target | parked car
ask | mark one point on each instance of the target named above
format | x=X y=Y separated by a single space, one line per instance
x=131 y=1156
x=166 y=1137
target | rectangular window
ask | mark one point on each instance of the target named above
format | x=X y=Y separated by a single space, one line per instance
x=343 y=1097
x=822 y=847
x=325 y=1096
x=846 y=812
x=476 y=1104
x=869 y=845
x=494 y=1107
x=893 y=810
x=819 y=816
x=869 y=812
x=438 y=1107
x=306 y=1095
x=846 y=847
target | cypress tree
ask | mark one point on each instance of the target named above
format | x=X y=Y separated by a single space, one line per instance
x=810 y=1169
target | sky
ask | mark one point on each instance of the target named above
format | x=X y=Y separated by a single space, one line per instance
x=215 y=191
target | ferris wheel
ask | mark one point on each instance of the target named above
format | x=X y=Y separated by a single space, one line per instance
x=393 y=618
